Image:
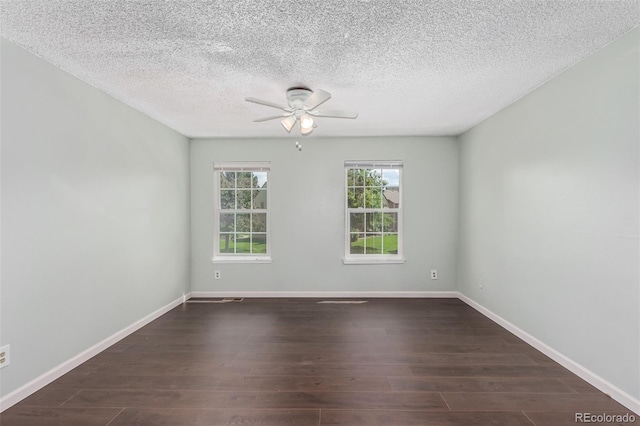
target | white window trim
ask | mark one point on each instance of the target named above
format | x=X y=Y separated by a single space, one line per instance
x=240 y=258
x=373 y=259
x=251 y=166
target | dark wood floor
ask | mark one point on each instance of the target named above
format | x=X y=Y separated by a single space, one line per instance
x=297 y=362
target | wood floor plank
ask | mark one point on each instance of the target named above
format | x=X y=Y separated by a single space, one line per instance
x=486 y=344
x=420 y=418
x=113 y=382
x=209 y=417
x=353 y=400
x=488 y=371
x=478 y=384
x=206 y=339
x=454 y=330
x=194 y=347
x=106 y=360
x=373 y=358
x=36 y=416
x=534 y=402
x=579 y=385
x=326 y=369
x=305 y=383
x=48 y=397
x=305 y=329
x=168 y=368
x=150 y=398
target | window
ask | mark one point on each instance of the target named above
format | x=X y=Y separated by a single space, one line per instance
x=373 y=199
x=241 y=212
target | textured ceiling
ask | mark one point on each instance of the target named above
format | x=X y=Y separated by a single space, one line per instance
x=409 y=67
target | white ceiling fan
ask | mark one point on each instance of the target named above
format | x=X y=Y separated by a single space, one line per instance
x=302 y=106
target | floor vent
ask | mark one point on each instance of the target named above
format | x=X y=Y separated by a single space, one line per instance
x=207 y=300
x=345 y=302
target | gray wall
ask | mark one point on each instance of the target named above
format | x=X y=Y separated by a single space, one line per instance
x=549 y=214
x=95 y=226
x=307 y=214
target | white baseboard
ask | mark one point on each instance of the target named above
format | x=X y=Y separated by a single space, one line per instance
x=57 y=372
x=584 y=373
x=328 y=294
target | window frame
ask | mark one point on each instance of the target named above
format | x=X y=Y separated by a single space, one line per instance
x=359 y=259
x=233 y=166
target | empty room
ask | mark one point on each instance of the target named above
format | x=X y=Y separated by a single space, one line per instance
x=367 y=212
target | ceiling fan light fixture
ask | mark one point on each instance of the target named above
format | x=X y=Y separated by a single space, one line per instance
x=288 y=123
x=306 y=122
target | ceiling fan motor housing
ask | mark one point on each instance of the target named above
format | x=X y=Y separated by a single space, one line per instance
x=296 y=96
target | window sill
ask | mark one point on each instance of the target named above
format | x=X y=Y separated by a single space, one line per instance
x=371 y=261
x=242 y=259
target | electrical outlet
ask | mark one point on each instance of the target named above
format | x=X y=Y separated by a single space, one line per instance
x=4 y=356
x=217 y=275
x=434 y=274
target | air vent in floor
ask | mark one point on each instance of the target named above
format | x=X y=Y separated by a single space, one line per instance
x=208 y=300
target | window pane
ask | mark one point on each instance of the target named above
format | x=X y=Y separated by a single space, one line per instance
x=356 y=245
x=227 y=243
x=390 y=244
x=259 y=243
x=373 y=198
x=359 y=175
x=356 y=222
x=244 y=199
x=373 y=222
x=242 y=222
x=373 y=244
x=259 y=222
x=391 y=198
x=226 y=222
x=259 y=179
x=227 y=179
x=355 y=197
x=351 y=177
x=227 y=199
x=244 y=179
x=391 y=177
x=243 y=243
x=390 y=222
x=260 y=199
x=374 y=178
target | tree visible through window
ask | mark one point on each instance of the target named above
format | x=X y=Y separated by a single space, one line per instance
x=373 y=209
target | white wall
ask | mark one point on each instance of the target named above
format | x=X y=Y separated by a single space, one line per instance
x=549 y=214
x=95 y=225
x=307 y=215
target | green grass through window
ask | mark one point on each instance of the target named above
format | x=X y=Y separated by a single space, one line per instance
x=243 y=244
x=387 y=244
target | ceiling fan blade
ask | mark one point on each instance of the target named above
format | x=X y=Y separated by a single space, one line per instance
x=266 y=103
x=272 y=117
x=288 y=123
x=334 y=114
x=317 y=98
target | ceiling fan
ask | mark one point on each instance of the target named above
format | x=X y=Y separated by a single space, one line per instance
x=302 y=107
